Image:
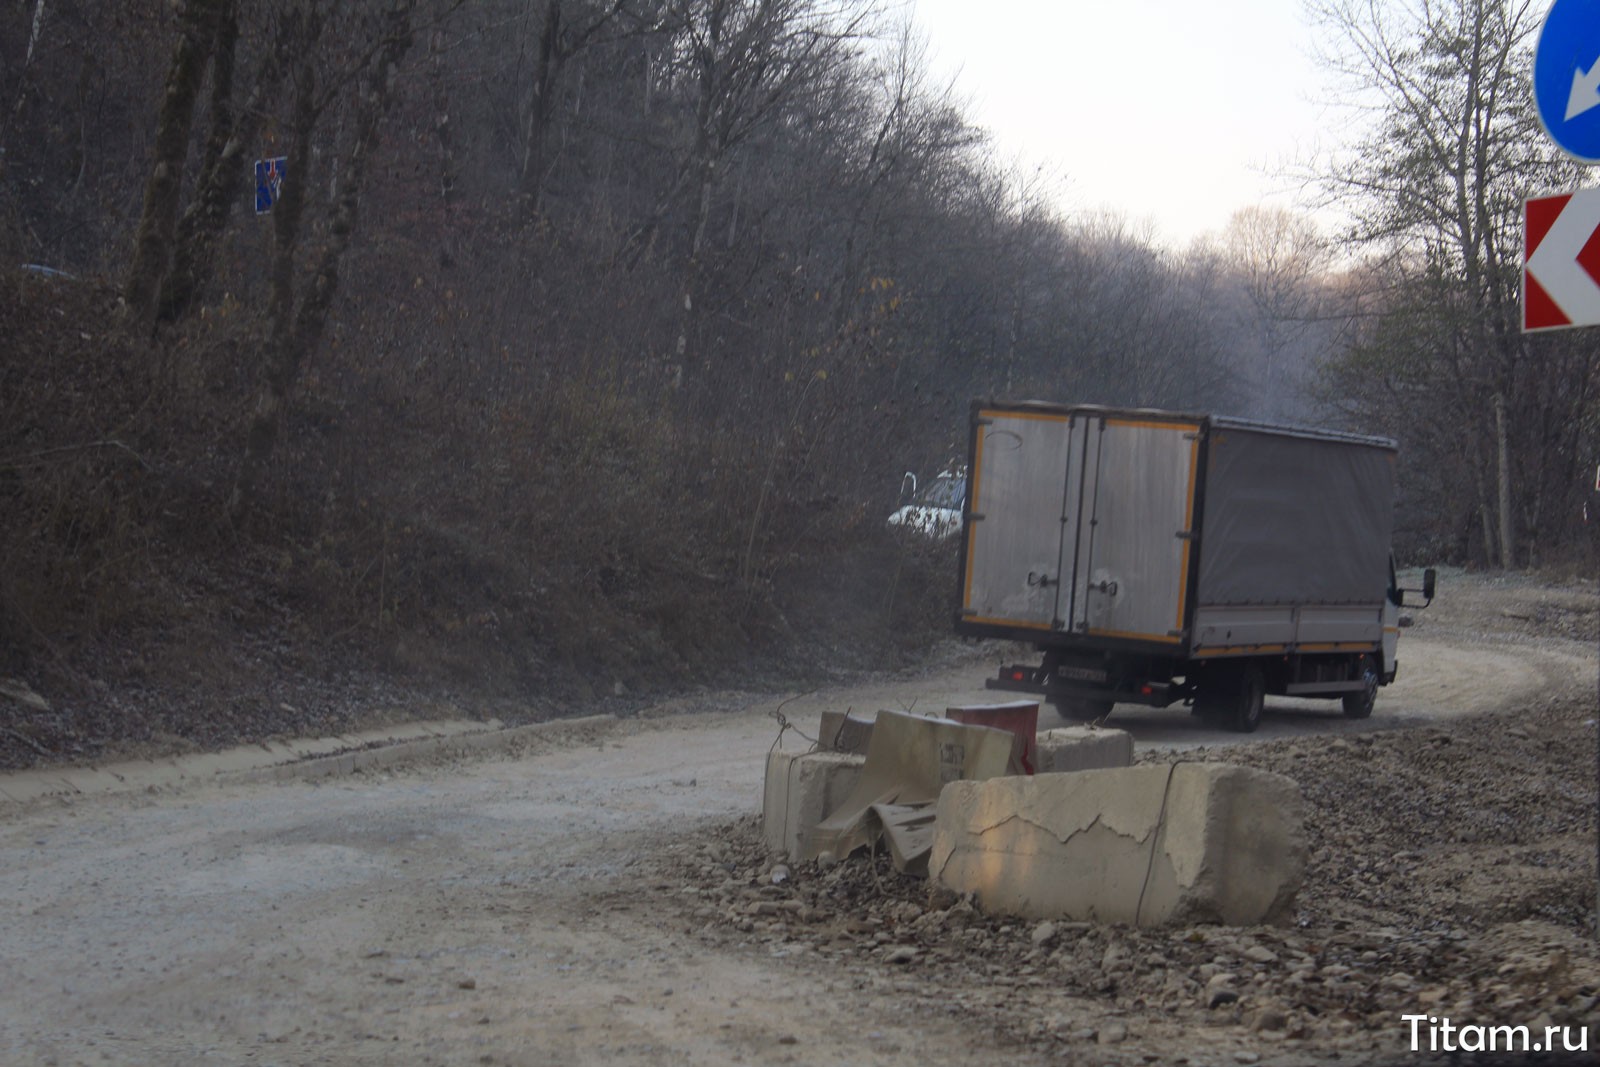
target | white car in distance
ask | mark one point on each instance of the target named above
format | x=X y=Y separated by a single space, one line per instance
x=934 y=511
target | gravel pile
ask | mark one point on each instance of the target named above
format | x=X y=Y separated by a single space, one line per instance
x=1452 y=873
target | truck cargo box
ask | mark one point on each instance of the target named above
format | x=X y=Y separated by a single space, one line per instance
x=1133 y=542
x=1179 y=531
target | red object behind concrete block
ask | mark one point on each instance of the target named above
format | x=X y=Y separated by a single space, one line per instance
x=1020 y=717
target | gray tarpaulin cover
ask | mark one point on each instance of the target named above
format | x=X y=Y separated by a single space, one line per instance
x=1292 y=519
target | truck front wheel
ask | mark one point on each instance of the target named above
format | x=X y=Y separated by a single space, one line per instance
x=1358 y=705
x=1252 y=698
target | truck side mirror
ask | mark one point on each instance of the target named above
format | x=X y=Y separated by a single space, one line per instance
x=1430 y=581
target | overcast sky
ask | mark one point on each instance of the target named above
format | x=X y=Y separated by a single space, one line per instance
x=1169 y=110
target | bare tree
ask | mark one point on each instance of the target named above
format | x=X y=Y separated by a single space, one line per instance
x=299 y=302
x=199 y=24
x=1281 y=260
x=1438 y=184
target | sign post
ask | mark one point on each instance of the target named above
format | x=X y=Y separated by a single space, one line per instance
x=1561 y=254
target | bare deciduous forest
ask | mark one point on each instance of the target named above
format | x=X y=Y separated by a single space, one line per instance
x=588 y=340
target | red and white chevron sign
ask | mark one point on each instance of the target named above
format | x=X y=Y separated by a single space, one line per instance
x=1561 y=261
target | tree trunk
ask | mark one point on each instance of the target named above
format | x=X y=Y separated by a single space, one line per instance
x=441 y=118
x=1503 y=479
x=221 y=171
x=297 y=332
x=198 y=21
x=536 y=128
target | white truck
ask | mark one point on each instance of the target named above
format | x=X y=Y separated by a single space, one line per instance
x=1155 y=557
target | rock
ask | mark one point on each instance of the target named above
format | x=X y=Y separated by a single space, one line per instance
x=1220 y=991
x=1260 y=954
x=21 y=692
x=1044 y=933
x=1112 y=1034
x=1269 y=1019
x=1113 y=958
x=902 y=954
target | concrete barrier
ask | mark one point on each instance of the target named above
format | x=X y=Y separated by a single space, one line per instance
x=1148 y=846
x=803 y=788
x=1082 y=748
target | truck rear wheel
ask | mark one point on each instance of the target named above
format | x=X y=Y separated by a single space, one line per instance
x=1082 y=709
x=1358 y=705
x=1233 y=694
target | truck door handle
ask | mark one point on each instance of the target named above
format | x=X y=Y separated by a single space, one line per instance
x=1041 y=580
x=1109 y=588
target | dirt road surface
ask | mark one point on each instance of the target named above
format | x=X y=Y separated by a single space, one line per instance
x=530 y=908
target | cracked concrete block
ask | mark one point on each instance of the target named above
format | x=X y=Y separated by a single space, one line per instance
x=1083 y=748
x=1149 y=846
x=802 y=788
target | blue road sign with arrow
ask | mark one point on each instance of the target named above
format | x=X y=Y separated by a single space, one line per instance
x=1566 y=77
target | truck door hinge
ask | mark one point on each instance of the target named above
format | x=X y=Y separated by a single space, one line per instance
x=1185 y=535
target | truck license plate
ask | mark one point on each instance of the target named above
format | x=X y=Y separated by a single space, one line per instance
x=1081 y=674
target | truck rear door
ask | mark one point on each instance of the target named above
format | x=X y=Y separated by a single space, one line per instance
x=1135 y=529
x=1016 y=496
x=1081 y=522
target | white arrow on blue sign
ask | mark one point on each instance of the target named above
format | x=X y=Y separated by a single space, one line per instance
x=1566 y=77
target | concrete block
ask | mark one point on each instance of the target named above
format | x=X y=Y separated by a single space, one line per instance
x=1082 y=748
x=1149 y=846
x=910 y=759
x=802 y=788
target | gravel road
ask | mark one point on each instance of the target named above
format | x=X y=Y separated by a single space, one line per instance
x=600 y=897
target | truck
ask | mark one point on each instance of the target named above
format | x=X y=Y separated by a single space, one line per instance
x=1156 y=557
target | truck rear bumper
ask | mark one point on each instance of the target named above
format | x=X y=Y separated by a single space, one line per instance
x=1025 y=678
